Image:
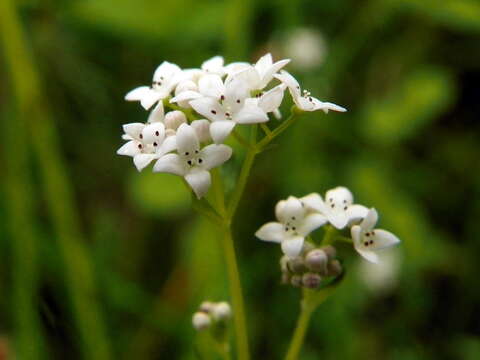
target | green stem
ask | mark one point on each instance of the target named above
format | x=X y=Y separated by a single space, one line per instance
x=241 y=140
x=295 y=114
x=330 y=235
x=307 y=309
x=239 y=321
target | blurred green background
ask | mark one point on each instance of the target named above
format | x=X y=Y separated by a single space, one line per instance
x=100 y=262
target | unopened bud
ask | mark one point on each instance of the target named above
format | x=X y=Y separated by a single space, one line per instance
x=222 y=311
x=316 y=260
x=311 y=280
x=334 y=268
x=202 y=128
x=284 y=263
x=185 y=86
x=307 y=246
x=201 y=321
x=207 y=306
x=296 y=280
x=174 y=119
x=330 y=251
x=296 y=265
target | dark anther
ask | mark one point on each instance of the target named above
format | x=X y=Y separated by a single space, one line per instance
x=139 y=146
x=333 y=205
x=294 y=228
x=227 y=114
x=189 y=162
x=366 y=243
x=157 y=133
x=155 y=144
x=293 y=217
x=345 y=208
x=371 y=242
x=196 y=151
x=187 y=153
x=238 y=101
x=200 y=161
x=222 y=97
x=286 y=229
x=141 y=136
x=213 y=112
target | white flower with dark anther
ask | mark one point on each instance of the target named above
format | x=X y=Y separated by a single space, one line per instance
x=146 y=142
x=367 y=240
x=305 y=101
x=226 y=105
x=258 y=76
x=165 y=78
x=271 y=100
x=295 y=221
x=338 y=207
x=191 y=162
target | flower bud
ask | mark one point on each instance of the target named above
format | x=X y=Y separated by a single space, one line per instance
x=296 y=265
x=201 y=321
x=311 y=280
x=307 y=246
x=174 y=119
x=316 y=260
x=284 y=263
x=296 y=280
x=202 y=128
x=330 y=251
x=207 y=307
x=222 y=311
x=185 y=86
x=334 y=268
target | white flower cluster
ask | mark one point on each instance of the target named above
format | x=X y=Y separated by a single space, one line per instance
x=298 y=217
x=211 y=313
x=218 y=97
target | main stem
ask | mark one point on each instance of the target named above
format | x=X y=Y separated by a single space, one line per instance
x=300 y=331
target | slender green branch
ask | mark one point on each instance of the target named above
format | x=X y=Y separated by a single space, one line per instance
x=266 y=130
x=241 y=140
x=295 y=114
x=330 y=235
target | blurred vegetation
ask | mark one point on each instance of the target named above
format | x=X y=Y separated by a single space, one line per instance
x=100 y=262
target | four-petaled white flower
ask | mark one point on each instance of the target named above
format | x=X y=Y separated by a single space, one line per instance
x=295 y=221
x=146 y=142
x=367 y=240
x=191 y=162
x=165 y=78
x=305 y=101
x=338 y=207
x=258 y=76
x=225 y=105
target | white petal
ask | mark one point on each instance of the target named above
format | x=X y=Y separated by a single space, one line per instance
x=264 y=63
x=214 y=65
x=236 y=67
x=208 y=107
x=356 y=232
x=356 y=213
x=151 y=98
x=279 y=209
x=338 y=219
x=168 y=145
x=138 y=93
x=202 y=128
x=212 y=86
x=153 y=133
x=248 y=76
x=326 y=106
x=271 y=100
x=167 y=71
x=292 y=209
x=187 y=140
x=236 y=91
x=310 y=223
x=219 y=130
x=142 y=160
x=214 y=155
x=199 y=181
x=129 y=149
x=157 y=114
x=369 y=255
x=292 y=246
x=383 y=239
x=267 y=75
x=272 y=231
x=370 y=220
x=250 y=113
x=133 y=129
x=290 y=81
x=340 y=196
x=314 y=202
x=170 y=163
x=186 y=95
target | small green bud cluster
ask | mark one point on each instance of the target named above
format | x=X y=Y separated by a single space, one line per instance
x=311 y=267
x=211 y=313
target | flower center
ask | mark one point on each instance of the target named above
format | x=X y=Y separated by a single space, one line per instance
x=193 y=158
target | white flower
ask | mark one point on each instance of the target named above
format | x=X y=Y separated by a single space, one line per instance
x=295 y=221
x=165 y=78
x=221 y=311
x=305 y=102
x=215 y=65
x=146 y=142
x=226 y=105
x=271 y=100
x=338 y=207
x=367 y=240
x=201 y=321
x=191 y=162
x=258 y=76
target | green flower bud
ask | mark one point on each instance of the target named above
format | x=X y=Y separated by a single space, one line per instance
x=316 y=260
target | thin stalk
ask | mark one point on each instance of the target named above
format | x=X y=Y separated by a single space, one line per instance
x=241 y=140
x=303 y=321
x=58 y=193
x=295 y=114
